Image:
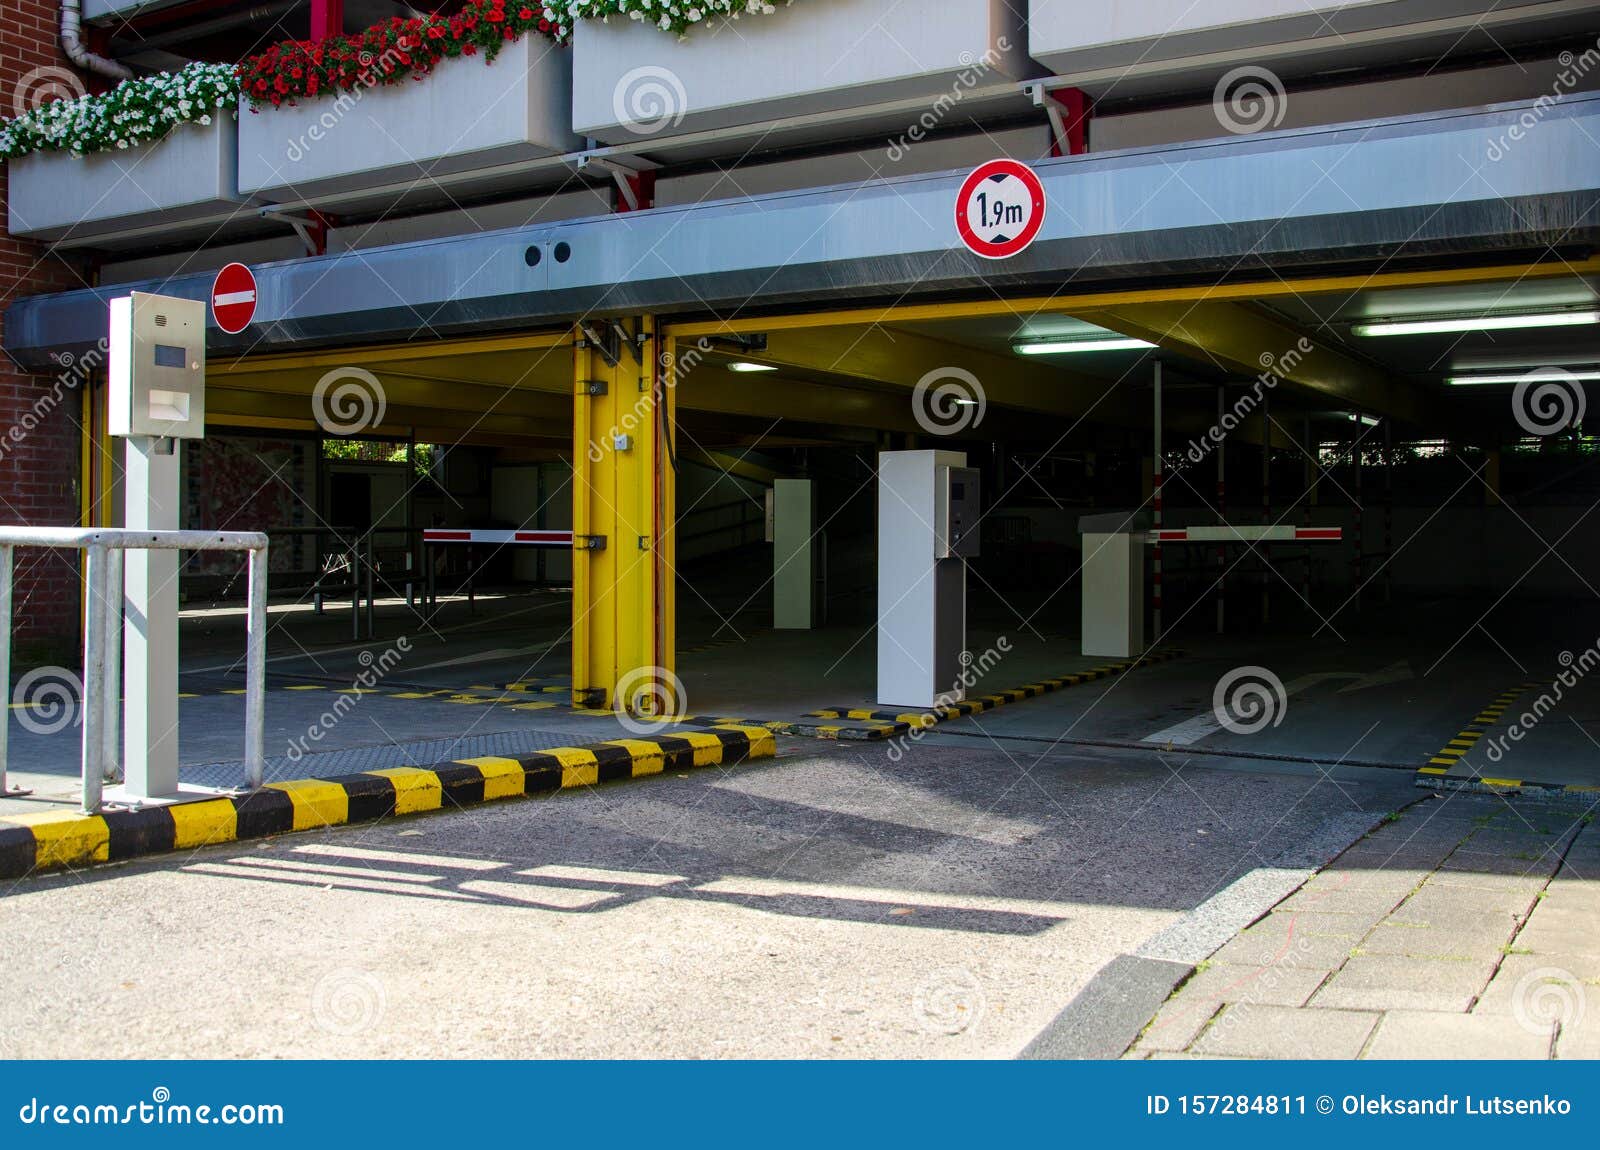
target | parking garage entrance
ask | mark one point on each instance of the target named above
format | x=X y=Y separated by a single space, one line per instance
x=1423 y=599
x=702 y=509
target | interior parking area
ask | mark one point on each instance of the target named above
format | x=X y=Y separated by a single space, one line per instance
x=1427 y=425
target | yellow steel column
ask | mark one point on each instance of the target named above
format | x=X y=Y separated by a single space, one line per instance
x=621 y=491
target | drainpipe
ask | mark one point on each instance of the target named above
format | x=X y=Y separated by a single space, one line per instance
x=72 y=44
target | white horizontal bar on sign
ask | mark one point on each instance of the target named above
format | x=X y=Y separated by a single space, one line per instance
x=1245 y=533
x=497 y=537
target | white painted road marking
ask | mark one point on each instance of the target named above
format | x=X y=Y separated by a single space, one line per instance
x=1193 y=730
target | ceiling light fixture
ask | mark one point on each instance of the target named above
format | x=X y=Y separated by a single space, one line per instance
x=1476 y=323
x=1061 y=347
x=1476 y=380
x=746 y=365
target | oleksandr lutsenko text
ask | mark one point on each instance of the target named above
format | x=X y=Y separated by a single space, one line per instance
x=1468 y=1104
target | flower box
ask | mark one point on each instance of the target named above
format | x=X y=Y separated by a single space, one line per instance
x=183 y=182
x=1104 y=43
x=632 y=80
x=467 y=114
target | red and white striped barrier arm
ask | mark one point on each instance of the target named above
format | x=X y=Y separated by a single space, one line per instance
x=497 y=537
x=1246 y=534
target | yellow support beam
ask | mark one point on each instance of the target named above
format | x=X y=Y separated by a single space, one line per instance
x=1028 y=307
x=385 y=353
x=622 y=498
x=1237 y=338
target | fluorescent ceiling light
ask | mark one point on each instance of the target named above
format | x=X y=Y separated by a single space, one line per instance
x=1369 y=420
x=1060 y=347
x=1477 y=323
x=1470 y=380
x=746 y=365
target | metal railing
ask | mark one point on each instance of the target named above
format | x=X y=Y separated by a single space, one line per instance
x=102 y=635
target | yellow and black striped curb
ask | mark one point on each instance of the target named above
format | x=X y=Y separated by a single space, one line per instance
x=1467 y=738
x=872 y=723
x=51 y=840
x=1435 y=774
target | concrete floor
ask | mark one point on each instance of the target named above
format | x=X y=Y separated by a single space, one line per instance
x=830 y=903
x=937 y=896
x=1388 y=687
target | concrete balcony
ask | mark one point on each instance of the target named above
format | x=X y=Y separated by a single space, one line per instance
x=472 y=125
x=634 y=81
x=1162 y=45
x=182 y=184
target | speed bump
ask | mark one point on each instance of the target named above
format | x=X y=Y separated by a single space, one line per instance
x=885 y=724
x=51 y=840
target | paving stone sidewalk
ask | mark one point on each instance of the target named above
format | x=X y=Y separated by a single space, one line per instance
x=1462 y=928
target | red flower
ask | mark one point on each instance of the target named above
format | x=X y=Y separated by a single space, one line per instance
x=525 y=13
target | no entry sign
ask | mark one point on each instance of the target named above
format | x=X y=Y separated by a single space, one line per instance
x=1000 y=209
x=233 y=298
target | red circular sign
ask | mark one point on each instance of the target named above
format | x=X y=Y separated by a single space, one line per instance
x=1000 y=209
x=233 y=298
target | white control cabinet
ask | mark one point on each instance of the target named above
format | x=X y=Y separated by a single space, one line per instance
x=928 y=509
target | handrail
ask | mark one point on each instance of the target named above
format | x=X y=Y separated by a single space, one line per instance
x=102 y=638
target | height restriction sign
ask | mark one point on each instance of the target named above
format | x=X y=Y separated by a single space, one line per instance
x=1000 y=209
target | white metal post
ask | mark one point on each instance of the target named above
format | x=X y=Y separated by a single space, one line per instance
x=255 y=692
x=1266 y=503
x=94 y=666
x=1155 y=509
x=111 y=681
x=5 y=666
x=794 y=584
x=150 y=731
x=1222 y=513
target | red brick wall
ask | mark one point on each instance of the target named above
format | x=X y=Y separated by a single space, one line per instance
x=39 y=415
